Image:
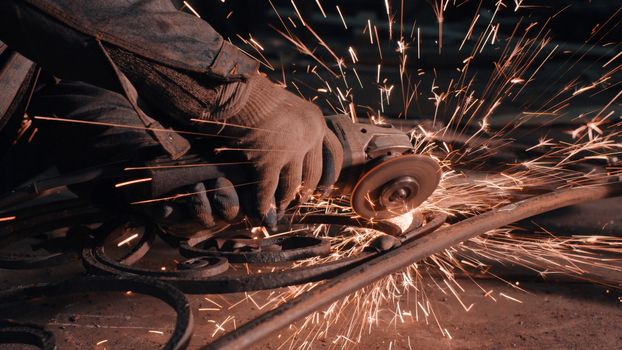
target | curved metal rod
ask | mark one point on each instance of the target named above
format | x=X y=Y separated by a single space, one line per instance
x=184 y=323
x=192 y=282
x=269 y=323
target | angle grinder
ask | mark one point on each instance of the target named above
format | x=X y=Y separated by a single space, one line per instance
x=381 y=172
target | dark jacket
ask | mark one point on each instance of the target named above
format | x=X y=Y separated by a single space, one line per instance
x=69 y=39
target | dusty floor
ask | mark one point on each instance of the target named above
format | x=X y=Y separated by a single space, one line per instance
x=550 y=315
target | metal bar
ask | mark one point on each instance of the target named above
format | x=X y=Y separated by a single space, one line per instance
x=269 y=323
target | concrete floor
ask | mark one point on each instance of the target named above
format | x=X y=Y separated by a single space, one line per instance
x=551 y=315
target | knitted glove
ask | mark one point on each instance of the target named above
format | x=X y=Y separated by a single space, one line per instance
x=289 y=144
x=203 y=207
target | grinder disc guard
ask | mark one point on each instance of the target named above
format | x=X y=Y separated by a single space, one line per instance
x=395 y=186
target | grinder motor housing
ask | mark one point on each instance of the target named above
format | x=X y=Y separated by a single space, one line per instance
x=381 y=171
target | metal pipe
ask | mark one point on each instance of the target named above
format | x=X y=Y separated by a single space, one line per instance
x=269 y=323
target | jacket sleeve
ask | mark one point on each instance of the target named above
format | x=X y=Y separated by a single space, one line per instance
x=64 y=37
x=74 y=39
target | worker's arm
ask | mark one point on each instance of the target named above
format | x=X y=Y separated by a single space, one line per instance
x=184 y=71
x=202 y=203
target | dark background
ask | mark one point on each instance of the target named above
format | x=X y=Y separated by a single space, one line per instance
x=570 y=26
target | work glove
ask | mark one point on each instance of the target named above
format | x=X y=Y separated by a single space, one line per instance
x=289 y=144
x=203 y=208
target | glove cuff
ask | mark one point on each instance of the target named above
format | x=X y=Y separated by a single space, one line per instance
x=264 y=97
x=229 y=101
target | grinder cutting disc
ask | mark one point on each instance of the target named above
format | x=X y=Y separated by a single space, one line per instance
x=395 y=186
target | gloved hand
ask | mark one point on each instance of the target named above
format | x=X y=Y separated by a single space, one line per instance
x=284 y=135
x=185 y=197
x=291 y=148
x=194 y=209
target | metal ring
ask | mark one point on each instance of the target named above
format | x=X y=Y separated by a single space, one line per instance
x=182 y=331
x=39 y=219
x=12 y=332
x=107 y=230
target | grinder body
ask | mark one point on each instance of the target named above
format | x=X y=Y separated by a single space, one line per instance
x=381 y=171
x=364 y=146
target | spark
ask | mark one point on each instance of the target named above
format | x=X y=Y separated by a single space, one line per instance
x=256 y=43
x=183 y=195
x=469 y=32
x=378 y=42
x=447 y=333
x=369 y=29
x=418 y=43
x=353 y=55
x=124 y=126
x=193 y=165
x=320 y=7
x=341 y=16
x=189 y=7
x=224 y=149
x=510 y=298
x=389 y=20
x=213 y=302
x=298 y=13
x=258 y=48
x=583 y=89
x=232 y=125
x=612 y=59
x=357 y=77
x=7 y=218
x=132 y=182
x=127 y=240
